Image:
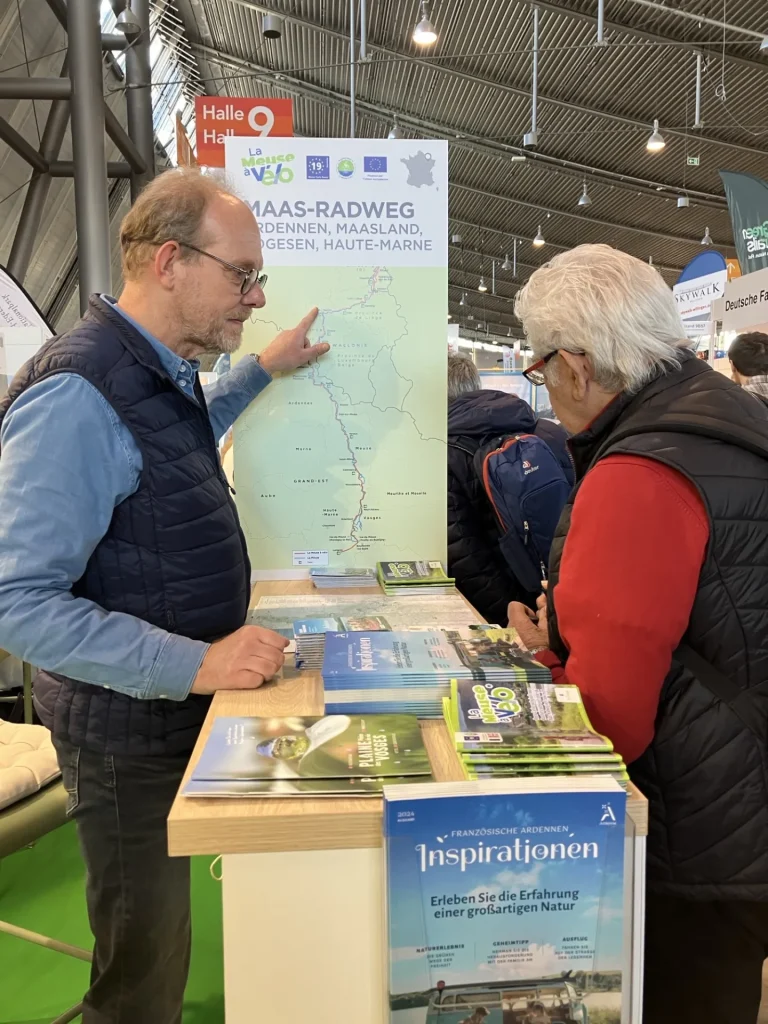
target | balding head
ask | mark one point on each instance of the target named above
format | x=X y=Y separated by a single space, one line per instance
x=175 y=206
x=191 y=249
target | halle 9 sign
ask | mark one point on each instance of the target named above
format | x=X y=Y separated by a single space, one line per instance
x=219 y=117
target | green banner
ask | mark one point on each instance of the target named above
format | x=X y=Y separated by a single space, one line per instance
x=748 y=205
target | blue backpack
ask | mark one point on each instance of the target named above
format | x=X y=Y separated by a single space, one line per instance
x=527 y=486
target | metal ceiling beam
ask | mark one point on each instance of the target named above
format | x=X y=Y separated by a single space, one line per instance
x=550 y=245
x=34 y=88
x=465 y=139
x=473 y=79
x=585 y=218
x=122 y=140
x=700 y=19
x=138 y=100
x=94 y=254
x=114 y=129
x=37 y=191
x=19 y=145
x=649 y=37
x=66 y=169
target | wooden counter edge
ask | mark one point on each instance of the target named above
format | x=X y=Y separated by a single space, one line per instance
x=275 y=825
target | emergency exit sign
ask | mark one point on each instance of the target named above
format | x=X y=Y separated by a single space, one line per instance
x=693 y=161
x=217 y=117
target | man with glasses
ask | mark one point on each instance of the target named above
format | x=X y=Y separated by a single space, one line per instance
x=123 y=570
x=657 y=609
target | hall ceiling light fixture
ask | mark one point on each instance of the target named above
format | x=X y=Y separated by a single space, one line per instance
x=483 y=287
x=395 y=132
x=655 y=142
x=707 y=239
x=682 y=202
x=506 y=265
x=463 y=299
x=128 y=23
x=539 y=239
x=764 y=44
x=424 y=34
x=584 y=198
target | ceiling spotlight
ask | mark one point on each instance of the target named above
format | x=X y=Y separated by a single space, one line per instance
x=519 y=159
x=707 y=239
x=455 y=239
x=682 y=202
x=482 y=287
x=764 y=44
x=655 y=142
x=424 y=34
x=395 y=131
x=449 y=316
x=506 y=265
x=539 y=239
x=584 y=198
x=128 y=23
x=271 y=26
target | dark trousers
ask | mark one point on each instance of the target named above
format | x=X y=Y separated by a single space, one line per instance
x=703 y=961
x=138 y=896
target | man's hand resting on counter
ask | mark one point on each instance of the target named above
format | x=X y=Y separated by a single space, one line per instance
x=242 y=661
x=291 y=349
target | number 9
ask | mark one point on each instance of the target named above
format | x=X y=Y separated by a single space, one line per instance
x=269 y=120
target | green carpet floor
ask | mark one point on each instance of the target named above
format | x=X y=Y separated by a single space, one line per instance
x=42 y=889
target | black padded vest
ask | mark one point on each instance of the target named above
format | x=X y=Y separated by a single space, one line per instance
x=706 y=771
x=174 y=554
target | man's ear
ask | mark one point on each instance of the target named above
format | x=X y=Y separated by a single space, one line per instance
x=578 y=370
x=166 y=261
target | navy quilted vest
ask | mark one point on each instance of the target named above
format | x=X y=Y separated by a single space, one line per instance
x=174 y=554
x=706 y=770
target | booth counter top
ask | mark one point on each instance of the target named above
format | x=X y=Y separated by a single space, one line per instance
x=279 y=824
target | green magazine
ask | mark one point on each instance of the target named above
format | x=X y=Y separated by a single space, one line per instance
x=521 y=717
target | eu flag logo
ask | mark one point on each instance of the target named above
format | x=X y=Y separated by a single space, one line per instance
x=375 y=165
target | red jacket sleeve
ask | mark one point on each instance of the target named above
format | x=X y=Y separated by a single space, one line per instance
x=628 y=578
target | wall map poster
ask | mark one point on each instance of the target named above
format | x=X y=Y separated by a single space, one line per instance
x=344 y=462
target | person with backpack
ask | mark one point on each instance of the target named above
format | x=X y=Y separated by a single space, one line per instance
x=509 y=475
x=658 y=610
x=748 y=356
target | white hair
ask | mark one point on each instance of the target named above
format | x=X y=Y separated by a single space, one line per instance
x=605 y=303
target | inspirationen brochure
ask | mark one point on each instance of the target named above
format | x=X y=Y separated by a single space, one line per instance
x=505 y=907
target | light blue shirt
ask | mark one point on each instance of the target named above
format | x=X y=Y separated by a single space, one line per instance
x=67 y=461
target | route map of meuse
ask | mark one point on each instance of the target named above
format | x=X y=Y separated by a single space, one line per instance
x=344 y=462
x=353 y=462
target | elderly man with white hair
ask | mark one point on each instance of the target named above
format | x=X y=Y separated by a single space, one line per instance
x=657 y=608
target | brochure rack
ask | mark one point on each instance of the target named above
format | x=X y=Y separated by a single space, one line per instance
x=303 y=880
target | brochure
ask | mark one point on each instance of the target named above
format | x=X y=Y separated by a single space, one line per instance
x=519 y=716
x=331 y=747
x=505 y=903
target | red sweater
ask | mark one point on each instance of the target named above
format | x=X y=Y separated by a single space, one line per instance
x=628 y=578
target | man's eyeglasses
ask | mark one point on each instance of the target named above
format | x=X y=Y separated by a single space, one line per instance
x=535 y=372
x=249 y=278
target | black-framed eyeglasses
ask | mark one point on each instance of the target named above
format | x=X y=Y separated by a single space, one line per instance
x=534 y=374
x=249 y=277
